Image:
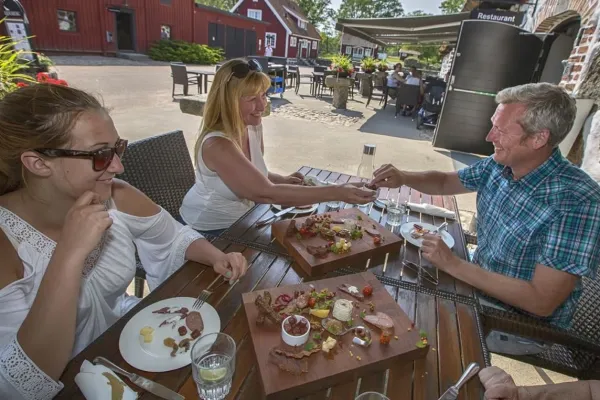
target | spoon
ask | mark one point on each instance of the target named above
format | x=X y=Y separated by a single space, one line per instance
x=357 y=338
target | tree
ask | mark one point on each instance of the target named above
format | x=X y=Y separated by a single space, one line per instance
x=388 y=8
x=222 y=4
x=417 y=13
x=371 y=9
x=452 y=6
x=318 y=12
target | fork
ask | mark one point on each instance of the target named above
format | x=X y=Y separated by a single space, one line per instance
x=205 y=294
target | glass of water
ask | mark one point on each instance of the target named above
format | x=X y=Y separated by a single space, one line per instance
x=371 y=396
x=333 y=205
x=213 y=364
x=395 y=211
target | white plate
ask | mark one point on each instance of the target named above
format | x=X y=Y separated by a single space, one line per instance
x=298 y=211
x=155 y=356
x=407 y=229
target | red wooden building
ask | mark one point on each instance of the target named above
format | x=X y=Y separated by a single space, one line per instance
x=289 y=33
x=109 y=26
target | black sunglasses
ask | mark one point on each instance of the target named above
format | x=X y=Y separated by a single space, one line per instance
x=101 y=158
x=242 y=70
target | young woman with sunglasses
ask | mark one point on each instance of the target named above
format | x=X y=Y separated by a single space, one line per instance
x=68 y=235
x=231 y=173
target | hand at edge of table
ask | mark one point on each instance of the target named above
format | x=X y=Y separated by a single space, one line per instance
x=437 y=252
x=498 y=384
x=232 y=266
x=387 y=176
x=295 y=179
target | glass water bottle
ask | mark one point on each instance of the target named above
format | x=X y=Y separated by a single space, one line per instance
x=366 y=169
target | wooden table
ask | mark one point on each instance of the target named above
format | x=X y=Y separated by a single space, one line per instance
x=447 y=313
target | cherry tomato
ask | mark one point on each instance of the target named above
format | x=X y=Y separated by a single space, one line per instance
x=367 y=290
x=384 y=338
x=311 y=302
x=377 y=240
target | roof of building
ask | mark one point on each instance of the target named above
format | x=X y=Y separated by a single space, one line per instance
x=228 y=13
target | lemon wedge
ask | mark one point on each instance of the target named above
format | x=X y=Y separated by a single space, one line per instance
x=320 y=313
x=213 y=375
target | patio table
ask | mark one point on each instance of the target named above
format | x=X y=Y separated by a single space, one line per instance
x=449 y=316
x=202 y=76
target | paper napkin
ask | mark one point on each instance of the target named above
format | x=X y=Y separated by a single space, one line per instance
x=97 y=382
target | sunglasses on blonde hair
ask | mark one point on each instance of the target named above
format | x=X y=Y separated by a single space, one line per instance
x=242 y=70
x=101 y=158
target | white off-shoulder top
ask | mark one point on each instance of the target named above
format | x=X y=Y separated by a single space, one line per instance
x=161 y=242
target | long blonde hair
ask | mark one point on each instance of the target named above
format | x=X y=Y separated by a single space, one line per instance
x=222 y=108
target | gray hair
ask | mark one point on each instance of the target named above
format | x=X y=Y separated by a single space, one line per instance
x=548 y=107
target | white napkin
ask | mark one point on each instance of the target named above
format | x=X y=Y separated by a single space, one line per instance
x=95 y=386
x=430 y=209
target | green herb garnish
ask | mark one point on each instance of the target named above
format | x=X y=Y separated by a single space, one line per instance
x=317 y=336
x=298 y=236
x=363 y=314
x=423 y=334
x=421 y=344
x=309 y=346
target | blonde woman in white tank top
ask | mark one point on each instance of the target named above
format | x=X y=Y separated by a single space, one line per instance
x=231 y=174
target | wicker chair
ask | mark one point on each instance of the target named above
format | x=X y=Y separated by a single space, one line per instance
x=575 y=352
x=159 y=166
x=377 y=88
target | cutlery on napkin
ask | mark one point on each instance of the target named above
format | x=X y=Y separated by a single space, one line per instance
x=97 y=382
x=430 y=209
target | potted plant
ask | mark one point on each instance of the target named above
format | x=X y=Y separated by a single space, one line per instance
x=368 y=65
x=342 y=65
x=382 y=66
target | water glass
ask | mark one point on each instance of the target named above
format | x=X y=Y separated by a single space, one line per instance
x=371 y=396
x=333 y=205
x=395 y=211
x=213 y=364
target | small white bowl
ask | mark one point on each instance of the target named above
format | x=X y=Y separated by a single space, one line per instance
x=295 y=340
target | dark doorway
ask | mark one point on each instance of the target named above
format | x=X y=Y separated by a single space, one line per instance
x=125 y=31
x=560 y=44
x=234 y=47
x=216 y=35
x=490 y=56
x=250 y=43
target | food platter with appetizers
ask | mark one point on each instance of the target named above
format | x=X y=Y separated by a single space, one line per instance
x=311 y=336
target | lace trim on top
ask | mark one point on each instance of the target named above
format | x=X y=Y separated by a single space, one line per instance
x=24 y=232
x=189 y=236
x=30 y=381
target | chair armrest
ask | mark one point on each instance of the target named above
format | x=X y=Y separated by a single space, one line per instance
x=522 y=325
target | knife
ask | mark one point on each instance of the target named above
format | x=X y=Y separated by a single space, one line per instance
x=452 y=392
x=146 y=384
x=274 y=217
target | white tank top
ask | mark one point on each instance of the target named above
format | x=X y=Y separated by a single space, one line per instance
x=210 y=204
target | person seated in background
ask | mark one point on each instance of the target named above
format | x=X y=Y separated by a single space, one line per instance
x=500 y=386
x=394 y=80
x=538 y=224
x=231 y=174
x=69 y=231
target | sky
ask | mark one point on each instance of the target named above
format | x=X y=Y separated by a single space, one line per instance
x=430 y=6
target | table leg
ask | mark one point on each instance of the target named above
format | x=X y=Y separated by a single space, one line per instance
x=206 y=84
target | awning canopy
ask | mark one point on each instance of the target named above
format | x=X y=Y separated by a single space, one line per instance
x=424 y=29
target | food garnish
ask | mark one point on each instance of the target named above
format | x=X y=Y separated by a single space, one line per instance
x=384 y=338
x=265 y=310
x=328 y=344
x=320 y=313
x=309 y=346
x=334 y=326
x=358 y=217
x=367 y=290
x=182 y=330
x=341 y=246
x=147 y=332
x=317 y=336
x=312 y=302
x=371 y=306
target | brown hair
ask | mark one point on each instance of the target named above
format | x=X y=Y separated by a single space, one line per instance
x=33 y=117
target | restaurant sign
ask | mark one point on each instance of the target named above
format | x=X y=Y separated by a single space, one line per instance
x=507 y=17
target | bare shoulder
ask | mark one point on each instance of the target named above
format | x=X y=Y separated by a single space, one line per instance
x=132 y=201
x=11 y=268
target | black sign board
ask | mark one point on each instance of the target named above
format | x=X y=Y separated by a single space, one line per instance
x=13 y=9
x=507 y=17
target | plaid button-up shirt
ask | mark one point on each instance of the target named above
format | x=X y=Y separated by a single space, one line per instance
x=551 y=217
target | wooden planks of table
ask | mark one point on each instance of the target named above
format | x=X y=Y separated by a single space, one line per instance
x=446 y=311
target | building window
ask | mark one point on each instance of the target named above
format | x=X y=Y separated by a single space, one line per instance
x=358 y=52
x=165 y=32
x=348 y=50
x=367 y=52
x=293 y=41
x=302 y=24
x=66 y=21
x=255 y=14
x=315 y=45
x=270 y=39
x=165 y=2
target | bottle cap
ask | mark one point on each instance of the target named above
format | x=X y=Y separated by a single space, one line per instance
x=369 y=149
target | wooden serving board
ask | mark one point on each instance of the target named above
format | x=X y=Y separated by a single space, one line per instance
x=362 y=249
x=324 y=372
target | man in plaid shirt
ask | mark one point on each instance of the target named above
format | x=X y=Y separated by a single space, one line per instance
x=538 y=215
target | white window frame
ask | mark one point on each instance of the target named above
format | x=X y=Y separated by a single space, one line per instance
x=258 y=13
x=314 y=45
x=274 y=43
x=368 y=52
x=349 y=50
x=357 y=53
x=302 y=24
x=293 y=41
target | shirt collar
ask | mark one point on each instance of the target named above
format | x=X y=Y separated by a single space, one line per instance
x=535 y=177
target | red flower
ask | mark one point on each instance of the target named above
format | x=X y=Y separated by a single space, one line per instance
x=22 y=84
x=42 y=77
x=62 y=82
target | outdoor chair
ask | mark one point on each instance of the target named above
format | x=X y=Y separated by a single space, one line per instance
x=574 y=352
x=377 y=88
x=159 y=166
x=320 y=87
x=292 y=70
x=319 y=68
x=407 y=96
x=308 y=80
x=181 y=77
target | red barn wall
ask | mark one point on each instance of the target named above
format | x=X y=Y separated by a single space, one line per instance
x=275 y=26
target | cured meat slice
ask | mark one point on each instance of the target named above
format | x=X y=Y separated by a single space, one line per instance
x=291 y=365
x=194 y=321
x=352 y=291
x=380 y=320
x=292 y=229
x=317 y=251
x=298 y=354
x=372 y=232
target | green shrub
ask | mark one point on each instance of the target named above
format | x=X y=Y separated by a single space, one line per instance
x=12 y=67
x=412 y=62
x=44 y=60
x=189 y=53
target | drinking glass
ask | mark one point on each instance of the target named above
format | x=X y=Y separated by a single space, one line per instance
x=213 y=364
x=333 y=205
x=371 y=396
x=395 y=211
